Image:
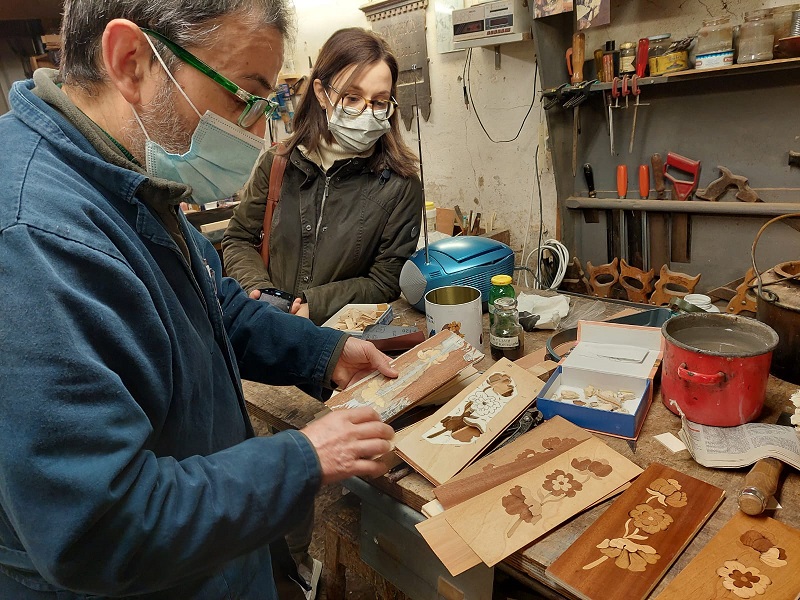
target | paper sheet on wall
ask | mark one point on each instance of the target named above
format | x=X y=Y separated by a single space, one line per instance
x=732 y=447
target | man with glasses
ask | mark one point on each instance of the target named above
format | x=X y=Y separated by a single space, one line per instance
x=128 y=466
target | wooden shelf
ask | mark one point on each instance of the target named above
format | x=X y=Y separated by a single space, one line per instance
x=780 y=64
x=697 y=207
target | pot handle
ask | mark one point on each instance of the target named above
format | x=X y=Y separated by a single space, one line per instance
x=700 y=378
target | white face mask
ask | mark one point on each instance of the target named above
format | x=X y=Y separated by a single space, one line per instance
x=219 y=160
x=357 y=134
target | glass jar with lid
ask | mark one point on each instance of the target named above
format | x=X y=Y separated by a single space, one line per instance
x=756 y=37
x=506 y=336
x=716 y=35
x=627 y=58
x=501 y=287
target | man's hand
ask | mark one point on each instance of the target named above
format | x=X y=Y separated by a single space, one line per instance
x=357 y=360
x=347 y=441
x=255 y=294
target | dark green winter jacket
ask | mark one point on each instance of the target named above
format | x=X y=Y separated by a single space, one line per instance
x=337 y=238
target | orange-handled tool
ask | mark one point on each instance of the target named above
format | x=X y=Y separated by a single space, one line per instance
x=622 y=180
x=644 y=193
x=644 y=181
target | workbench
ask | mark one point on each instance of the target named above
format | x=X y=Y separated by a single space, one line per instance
x=287 y=407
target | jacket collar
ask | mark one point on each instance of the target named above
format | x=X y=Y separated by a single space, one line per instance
x=111 y=170
x=342 y=168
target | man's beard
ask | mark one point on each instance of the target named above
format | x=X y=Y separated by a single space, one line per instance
x=163 y=123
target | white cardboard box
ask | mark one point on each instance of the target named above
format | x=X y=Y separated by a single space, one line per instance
x=385 y=318
x=609 y=356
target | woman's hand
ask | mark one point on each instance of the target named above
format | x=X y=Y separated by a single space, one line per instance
x=300 y=308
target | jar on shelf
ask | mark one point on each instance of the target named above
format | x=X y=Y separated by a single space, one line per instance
x=782 y=21
x=756 y=37
x=506 y=336
x=658 y=47
x=716 y=35
x=501 y=288
x=627 y=58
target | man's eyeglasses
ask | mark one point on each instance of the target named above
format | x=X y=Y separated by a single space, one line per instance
x=256 y=106
x=354 y=105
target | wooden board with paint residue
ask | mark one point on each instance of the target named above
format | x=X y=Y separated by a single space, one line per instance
x=508 y=517
x=625 y=553
x=422 y=370
x=750 y=557
x=441 y=445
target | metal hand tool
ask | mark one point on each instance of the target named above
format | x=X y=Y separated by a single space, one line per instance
x=614 y=97
x=622 y=192
x=658 y=222
x=591 y=216
x=644 y=193
x=575 y=58
x=625 y=89
x=681 y=233
x=636 y=92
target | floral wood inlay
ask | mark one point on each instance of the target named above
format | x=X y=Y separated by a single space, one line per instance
x=467 y=421
x=627 y=553
x=744 y=582
x=559 y=484
x=770 y=554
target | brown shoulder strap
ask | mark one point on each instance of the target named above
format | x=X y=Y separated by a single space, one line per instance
x=279 y=163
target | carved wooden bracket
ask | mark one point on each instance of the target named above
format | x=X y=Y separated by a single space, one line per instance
x=389 y=8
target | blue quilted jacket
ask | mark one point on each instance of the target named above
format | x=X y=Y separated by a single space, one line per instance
x=128 y=467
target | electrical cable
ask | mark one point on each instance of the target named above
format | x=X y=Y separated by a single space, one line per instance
x=530 y=206
x=468 y=94
x=550 y=268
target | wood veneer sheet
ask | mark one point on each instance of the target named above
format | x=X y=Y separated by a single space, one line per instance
x=751 y=557
x=454 y=552
x=422 y=369
x=506 y=518
x=625 y=553
x=527 y=452
x=447 y=441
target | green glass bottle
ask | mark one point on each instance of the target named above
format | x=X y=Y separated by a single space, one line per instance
x=501 y=288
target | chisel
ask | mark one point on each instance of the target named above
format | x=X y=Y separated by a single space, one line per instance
x=575 y=66
x=622 y=191
x=644 y=194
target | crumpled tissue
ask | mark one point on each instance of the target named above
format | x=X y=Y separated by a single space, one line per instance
x=550 y=309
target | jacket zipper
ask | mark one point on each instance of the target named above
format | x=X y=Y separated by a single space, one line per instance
x=325 y=193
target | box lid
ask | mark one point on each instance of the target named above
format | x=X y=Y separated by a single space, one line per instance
x=616 y=348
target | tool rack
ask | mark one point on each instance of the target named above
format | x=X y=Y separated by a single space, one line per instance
x=743 y=117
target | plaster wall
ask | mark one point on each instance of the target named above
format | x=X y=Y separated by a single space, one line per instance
x=461 y=165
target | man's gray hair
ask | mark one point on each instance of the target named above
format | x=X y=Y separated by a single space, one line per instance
x=189 y=23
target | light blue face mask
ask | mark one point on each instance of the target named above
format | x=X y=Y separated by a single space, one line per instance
x=220 y=158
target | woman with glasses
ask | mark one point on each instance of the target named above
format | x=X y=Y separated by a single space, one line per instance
x=350 y=203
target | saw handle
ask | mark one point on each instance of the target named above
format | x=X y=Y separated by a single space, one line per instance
x=683 y=188
x=760 y=485
x=658 y=175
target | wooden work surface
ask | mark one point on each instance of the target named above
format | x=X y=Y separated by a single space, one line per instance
x=287 y=407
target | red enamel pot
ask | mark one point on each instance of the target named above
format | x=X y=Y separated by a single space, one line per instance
x=716 y=367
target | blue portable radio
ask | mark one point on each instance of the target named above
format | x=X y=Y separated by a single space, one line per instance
x=468 y=260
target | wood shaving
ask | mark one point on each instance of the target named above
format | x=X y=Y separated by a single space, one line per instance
x=589 y=391
x=355 y=319
x=568 y=395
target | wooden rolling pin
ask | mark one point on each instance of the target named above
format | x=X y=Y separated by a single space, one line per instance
x=760 y=485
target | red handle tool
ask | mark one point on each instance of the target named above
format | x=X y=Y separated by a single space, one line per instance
x=683 y=188
x=642 y=51
x=625 y=89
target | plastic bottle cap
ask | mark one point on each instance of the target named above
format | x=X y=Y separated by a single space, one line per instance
x=429 y=205
x=501 y=280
